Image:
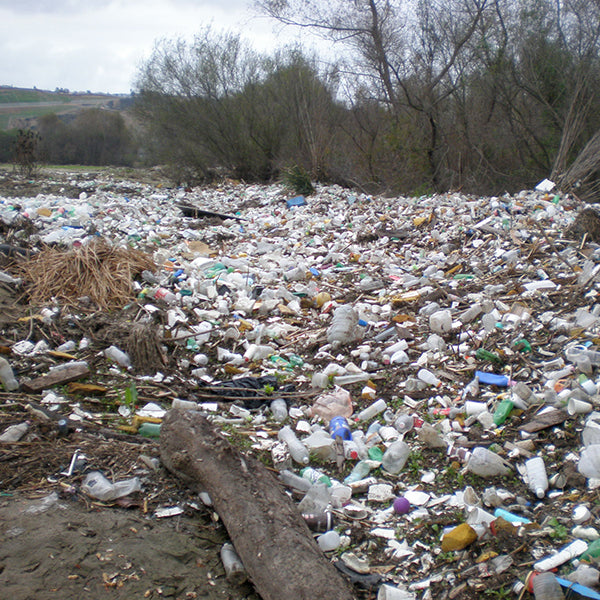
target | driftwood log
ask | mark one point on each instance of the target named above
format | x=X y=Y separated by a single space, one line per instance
x=271 y=538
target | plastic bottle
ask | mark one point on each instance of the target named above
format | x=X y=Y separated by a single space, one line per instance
x=358 y=437
x=546 y=587
x=344 y=326
x=234 y=569
x=184 y=404
x=149 y=430
x=7 y=377
x=428 y=377
x=315 y=476
x=592 y=552
x=502 y=411
x=164 y=294
x=338 y=427
x=395 y=457
x=118 y=356
x=371 y=411
x=14 y=433
x=294 y=482
x=298 y=451
x=404 y=423
x=279 y=409
x=485 y=463
x=361 y=469
x=536 y=476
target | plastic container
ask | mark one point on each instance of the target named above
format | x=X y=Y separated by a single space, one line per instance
x=294 y=482
x=329 y=541
x=344 y=327
x=118 y=356
x=184 y=404
x=404 y=423
x=569 y=552
x=297 y=449
x=256 y=352
x=315 y=476
x=546 y=587
x=14 y=433
x=374 y=409
x=536 y=476
x=317 y=499
x=338 y=427
x=165 y=295
x=319 y=522
x=97 y=486
x=429 y=378
x=592 y=552
x=234 y=569
x=361 y=469
x=502 y=411
x=578 y=353
x=589 y=461
x=333 y=404
x=7 y=377
x=395 y=457
x=279 y=410
x=485 y=463
x=441 y=321
x=389 y=592
x=151 y=430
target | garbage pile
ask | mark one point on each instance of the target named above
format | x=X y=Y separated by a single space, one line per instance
x=422 y=373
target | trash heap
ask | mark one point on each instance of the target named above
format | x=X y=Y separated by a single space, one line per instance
x=421 y=373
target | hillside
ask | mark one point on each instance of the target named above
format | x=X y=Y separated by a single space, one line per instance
x=20 y=107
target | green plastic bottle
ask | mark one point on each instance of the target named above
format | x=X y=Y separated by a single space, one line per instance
x=149 y=429
x=502 y=411
x=591 y=553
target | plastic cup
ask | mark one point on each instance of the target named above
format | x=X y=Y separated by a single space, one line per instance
x=474 y=408
x=578 y=407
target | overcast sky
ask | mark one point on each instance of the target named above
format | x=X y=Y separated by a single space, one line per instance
x=97 y=45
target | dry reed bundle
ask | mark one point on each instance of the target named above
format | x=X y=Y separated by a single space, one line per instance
x=102 y=272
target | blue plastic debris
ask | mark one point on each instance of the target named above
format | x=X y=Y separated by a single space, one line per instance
x=492 y=379
x=296 y=201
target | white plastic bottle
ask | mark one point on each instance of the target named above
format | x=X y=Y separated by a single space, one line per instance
x=395 y=457
x=297 y=449
x=7 y=377
x=536 y=476
x=485 y=463
x=371 y=411
x=428 y=377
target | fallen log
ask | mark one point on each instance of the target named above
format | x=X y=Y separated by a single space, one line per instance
x=268 y=533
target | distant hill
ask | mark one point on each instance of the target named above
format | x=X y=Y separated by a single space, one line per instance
x=21 y=107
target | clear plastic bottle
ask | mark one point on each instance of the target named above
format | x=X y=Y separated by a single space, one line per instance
x=14 y=433
x=315 y=476
x=294 y=482
x=371 y=411
x=7 y=377
x=234 y=569
x=118 y=356
x=360 y=471
x=441 y=321
x=404 y=423
x=395 y=457
x=298 y=450
x=337 y=403
x=279 y=410
x=536 y=476
x=546 y=587
x=344 y=326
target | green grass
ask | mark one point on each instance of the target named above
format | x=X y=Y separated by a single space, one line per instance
x=9 y=95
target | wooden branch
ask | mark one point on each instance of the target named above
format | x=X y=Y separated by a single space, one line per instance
x=268 y=532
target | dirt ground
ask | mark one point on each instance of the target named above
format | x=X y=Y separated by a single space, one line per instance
x=56 y=542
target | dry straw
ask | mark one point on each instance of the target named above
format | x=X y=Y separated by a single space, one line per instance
x=99 y=271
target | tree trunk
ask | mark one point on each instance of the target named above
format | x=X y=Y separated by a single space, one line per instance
x=268 y=532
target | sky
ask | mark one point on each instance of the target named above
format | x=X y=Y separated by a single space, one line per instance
x=98 y=45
